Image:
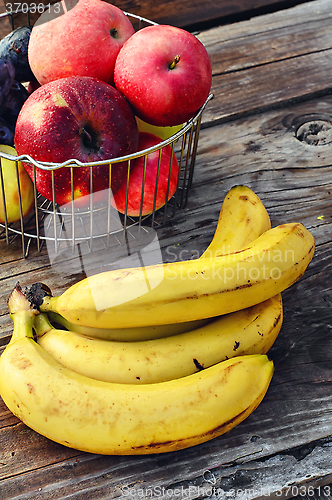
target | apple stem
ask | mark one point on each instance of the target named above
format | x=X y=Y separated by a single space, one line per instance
x=174 y=63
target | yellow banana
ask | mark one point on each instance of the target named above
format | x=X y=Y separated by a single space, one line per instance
x=250 y=331
x=243 y=217
x=126 y=419
x=128 y=334
x=189 y=290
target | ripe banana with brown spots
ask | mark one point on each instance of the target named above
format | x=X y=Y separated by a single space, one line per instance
x=189 y=290
x=249 y=331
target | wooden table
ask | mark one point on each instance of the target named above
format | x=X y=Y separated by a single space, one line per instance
x=269 y=126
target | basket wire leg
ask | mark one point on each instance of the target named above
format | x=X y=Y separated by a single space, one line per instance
x=109 y=206
x=12 y=21
x=142 y=195
x=126 y=200
x=184 y=194
x=91 y=208
x=156 y=188
x=194 y=151
x=72 y=209
x=168 y=182
x=4 y=202
x=36 y=209
x=183 y=147
x=20 y=205
x=54 y=214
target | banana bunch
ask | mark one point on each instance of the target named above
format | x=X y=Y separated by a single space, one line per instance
x=112 y=418
x=180 y=363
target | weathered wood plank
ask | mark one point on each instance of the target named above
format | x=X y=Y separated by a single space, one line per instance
x=291 y=20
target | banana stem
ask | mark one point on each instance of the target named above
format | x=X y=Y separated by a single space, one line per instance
x=42 y=324
x=23 y=324
x=21 y=313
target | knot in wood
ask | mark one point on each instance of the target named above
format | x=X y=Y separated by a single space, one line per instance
x=315 y=133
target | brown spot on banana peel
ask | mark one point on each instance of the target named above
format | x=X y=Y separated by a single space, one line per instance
x=245 y=285
x=277 y=320
x=253 y=320
x=246 y=198
x=31 y=388
x=198 y=365
x=236 y=345
x=18 y=360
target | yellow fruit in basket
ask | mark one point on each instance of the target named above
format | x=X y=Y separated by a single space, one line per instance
x=162 y=132
x=14 y=181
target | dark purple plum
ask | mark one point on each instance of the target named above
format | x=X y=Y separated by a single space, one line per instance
x=6 y=133
x=14 y=48
x=7 y=73
x=13 y=103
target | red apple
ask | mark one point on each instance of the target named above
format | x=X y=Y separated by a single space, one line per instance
x=82 y=41
x=76 y=118
x=166 y=183
x=165 y=73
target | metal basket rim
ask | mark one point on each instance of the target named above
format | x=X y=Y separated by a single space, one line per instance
x=72 y=162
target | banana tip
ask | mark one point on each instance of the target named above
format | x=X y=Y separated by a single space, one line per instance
x=27 y=298
x=36 y=293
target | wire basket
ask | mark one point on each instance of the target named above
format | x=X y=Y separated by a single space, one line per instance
x=64 y=227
